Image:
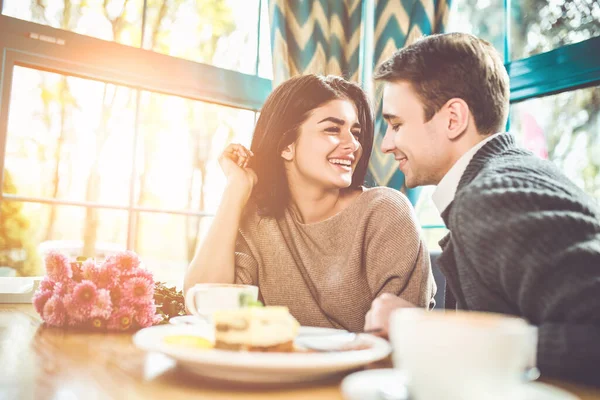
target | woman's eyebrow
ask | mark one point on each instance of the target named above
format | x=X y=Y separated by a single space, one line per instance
x=334 y=120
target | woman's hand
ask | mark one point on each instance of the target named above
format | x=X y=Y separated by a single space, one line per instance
x=234 y=163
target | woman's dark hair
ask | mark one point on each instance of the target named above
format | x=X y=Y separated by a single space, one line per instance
x=286 y=108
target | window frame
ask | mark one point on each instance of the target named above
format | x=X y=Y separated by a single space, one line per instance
x=566 y=68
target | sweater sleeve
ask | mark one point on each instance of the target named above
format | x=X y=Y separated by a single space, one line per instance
x=397 y=260
x=246 y=266
x=540 y=251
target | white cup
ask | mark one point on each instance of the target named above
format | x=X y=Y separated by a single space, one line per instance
x=461 y=355
x=205 y=298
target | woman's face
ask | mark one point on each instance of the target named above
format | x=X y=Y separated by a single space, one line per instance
x=327 y=149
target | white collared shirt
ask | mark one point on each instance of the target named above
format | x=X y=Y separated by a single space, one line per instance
x=446 y=190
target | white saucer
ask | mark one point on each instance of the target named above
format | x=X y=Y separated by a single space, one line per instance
x=187 y=320
x=375 y=384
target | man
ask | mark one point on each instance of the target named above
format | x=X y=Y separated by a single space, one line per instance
x=523 y=239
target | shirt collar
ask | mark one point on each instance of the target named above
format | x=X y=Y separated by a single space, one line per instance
x=446 y=190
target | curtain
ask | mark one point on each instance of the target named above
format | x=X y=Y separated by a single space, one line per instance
x=319 y=36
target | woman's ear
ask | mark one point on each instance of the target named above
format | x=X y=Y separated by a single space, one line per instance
x=288 y=152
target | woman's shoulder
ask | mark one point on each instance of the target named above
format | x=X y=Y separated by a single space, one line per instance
x=385 y=198
x=253 y=222
x=388 y=210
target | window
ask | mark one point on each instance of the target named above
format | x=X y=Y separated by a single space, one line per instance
x=534 y=26
x=482 y=18
x=223 y=33
x=69 y=138
x=431 y=222
x=117 y=149
x=71 y=141
x=539 y=26
x=107 y=20
x=564 y=128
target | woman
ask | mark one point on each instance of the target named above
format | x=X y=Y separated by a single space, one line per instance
x=295 y=220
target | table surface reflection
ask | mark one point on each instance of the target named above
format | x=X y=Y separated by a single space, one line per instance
x=40 y=362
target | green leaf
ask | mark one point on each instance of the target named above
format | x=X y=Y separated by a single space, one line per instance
x=246 y=300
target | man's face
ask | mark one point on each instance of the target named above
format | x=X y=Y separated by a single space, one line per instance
x=421 y=148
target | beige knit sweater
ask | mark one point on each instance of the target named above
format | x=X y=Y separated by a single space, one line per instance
x=328 y=273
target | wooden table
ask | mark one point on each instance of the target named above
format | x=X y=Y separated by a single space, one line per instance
x=39 y=362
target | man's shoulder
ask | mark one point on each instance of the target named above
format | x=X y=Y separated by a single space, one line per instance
x=521 y=170
x=523 y=181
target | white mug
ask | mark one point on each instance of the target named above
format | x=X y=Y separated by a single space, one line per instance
x=461 y=355
x=205 y=298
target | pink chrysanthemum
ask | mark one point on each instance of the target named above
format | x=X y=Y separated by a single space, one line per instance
x=137 y=291
x=76 y=313
x=138 y=273
x=124 y=261
x=98 y=323
x=58 y=267
x=47 y=284
x=63 y=288
x=105 y=276
x=75 y=316
x=54 y=312
x=102 y=307
x=121 y=319
x=84 y=295
x=39 y=300
x=145 y=315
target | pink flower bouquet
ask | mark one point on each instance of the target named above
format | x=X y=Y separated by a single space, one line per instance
x=116 y=295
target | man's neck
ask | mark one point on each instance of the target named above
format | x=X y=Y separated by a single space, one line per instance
x=463 y=145
x=448 y=185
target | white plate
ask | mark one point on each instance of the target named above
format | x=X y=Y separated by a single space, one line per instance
x=381 y=384
x=249 y=367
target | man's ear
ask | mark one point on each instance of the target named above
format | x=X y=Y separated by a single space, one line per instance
x=458 y=117
x=288 y=152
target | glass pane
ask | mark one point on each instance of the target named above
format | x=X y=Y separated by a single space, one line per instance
x=482 y=18
x=432 y=238
x=564 y=128
x=265 y=64
x=166 y=243
x=29 y=230
x=223 y=33
x=430 y=219
x=113 y=20
x=182 y=140
x=543 y=25
x=70 y=138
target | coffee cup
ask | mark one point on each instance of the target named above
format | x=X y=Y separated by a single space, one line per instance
x=461 y=355
x=202 y=300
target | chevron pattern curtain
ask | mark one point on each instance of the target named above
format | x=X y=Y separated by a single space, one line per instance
x=399 y=23
x=316 y=36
